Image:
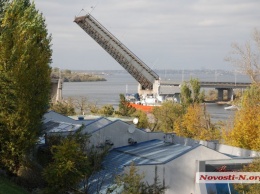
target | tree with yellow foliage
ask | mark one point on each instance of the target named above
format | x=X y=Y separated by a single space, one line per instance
x=246 y=130
x=249 y=188
x=196 y=124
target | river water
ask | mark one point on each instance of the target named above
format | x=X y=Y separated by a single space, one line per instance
x=120 y=82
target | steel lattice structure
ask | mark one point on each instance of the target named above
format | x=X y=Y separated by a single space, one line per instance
x=127 y=59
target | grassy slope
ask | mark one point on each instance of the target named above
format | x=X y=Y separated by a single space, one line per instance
x=7 y=187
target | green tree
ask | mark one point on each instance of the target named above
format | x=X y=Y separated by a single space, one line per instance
x=70 y=164
x=93 y=108
x=70 y=161
x=133 y=183
x=190 y=93
x=125 y=109
x=142 y=119
x=25 y=56
x=2 y=4
x=64 y=107
x=107 y=110
x=165 y=116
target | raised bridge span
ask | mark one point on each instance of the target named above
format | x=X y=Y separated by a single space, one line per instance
x=149 y=82
x=127 y=59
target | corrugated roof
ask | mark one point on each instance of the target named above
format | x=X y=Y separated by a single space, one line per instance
x=146 y=153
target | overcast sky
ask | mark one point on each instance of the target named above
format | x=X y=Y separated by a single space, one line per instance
x=165 y=34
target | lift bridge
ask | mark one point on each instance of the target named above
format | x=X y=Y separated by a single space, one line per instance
x=145 y=76
x=149 y=82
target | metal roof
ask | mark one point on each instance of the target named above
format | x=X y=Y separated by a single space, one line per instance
x=151 y=152
x=59 y=127
x=95 y=125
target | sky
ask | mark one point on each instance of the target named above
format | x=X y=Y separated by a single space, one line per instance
x=165 y=34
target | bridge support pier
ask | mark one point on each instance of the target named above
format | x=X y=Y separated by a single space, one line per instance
x=220 y=94
x=230 y=93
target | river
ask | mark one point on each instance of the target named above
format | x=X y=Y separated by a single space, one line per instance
x=120 y=82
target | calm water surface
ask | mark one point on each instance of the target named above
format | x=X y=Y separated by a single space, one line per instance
x=107 y=92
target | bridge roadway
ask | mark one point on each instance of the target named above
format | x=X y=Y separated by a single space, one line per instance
x=226 y=85
x=219 y=86
x=222 y=86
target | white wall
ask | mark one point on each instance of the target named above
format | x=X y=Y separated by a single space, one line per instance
x=117 y=132
x=231 y=150
x=179 y=174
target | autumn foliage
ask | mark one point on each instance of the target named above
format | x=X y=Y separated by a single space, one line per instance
x=196 y=124
x=246 y=130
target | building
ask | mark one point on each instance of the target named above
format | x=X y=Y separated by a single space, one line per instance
x=175 y=160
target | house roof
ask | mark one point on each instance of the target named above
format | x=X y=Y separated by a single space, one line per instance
x=151 y=152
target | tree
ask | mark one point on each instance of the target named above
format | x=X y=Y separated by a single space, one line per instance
x=133 y=182
x=64 y=107
x=165 y=116
x=190 y=93
x=245 y=132
x=81 y=104
x=249 y=188
x=142 y=119
x=247 y=58
x=93 y=108
x=125 y=109
x=2 y=4
x=67 y=71
x=70 y=164
x=107 y=110
x=196 y=124
x=25 y=56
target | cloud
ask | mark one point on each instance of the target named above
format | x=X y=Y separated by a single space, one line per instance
x=190 y=33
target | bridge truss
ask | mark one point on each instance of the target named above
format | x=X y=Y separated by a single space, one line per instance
x=127 y=59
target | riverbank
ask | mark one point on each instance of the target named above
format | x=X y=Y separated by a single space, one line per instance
x=69 y=76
